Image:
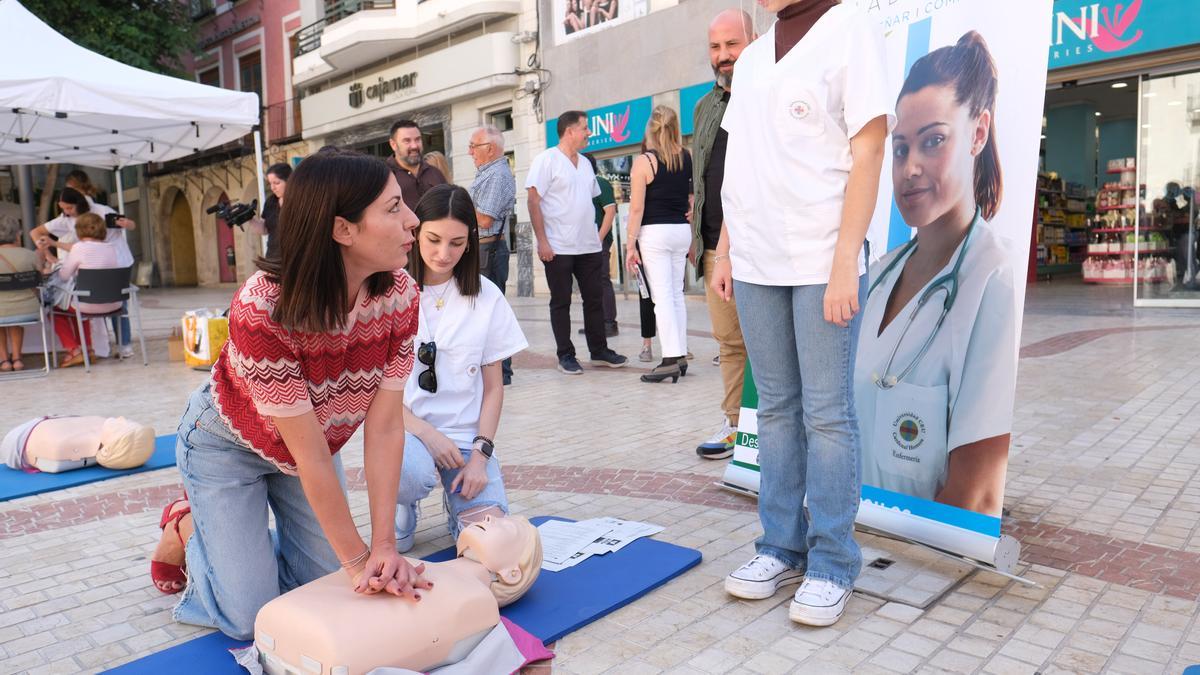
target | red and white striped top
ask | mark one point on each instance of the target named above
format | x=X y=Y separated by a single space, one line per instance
x=265 y=370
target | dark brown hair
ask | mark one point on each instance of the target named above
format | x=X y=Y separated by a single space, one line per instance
x=449 y=202
x=968 y=68
x=74 y=198
x=282 y=171
x=568 y=120
x=310 y=270
x=90 y=226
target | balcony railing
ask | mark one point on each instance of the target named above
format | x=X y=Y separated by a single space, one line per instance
x=308 y=38
x=281 y=121
x=200 y=8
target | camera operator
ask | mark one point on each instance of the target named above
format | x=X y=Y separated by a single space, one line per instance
x=277 y=177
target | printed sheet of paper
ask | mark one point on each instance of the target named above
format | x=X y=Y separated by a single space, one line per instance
x=562 y=540
x=571 y=543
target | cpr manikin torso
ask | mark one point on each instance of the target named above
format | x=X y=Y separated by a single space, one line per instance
x=59 y=444
x=325 y=627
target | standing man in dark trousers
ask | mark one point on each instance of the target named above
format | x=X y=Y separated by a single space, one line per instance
x=606 y=216
x=560 y=187
x=494 y=192
x=728 y=34
x=414 y=174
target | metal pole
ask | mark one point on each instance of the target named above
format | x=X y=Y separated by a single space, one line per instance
x=258 y=172
x=25 y=190
x=120 y=191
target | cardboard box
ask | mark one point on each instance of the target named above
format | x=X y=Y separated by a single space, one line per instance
x=175 y=348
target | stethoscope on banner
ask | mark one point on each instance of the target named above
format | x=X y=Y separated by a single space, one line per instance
x=947 y=283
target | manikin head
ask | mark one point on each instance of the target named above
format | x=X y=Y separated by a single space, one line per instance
x=509 y=548
x=124 y=444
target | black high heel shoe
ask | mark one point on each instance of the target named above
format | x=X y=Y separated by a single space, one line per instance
x=662 y=372
x=682 y=367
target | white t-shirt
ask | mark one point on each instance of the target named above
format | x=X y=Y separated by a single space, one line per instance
x=468 y=335
x=788 y=157
x=960 y=392
x=566 y=191
x=63 y=227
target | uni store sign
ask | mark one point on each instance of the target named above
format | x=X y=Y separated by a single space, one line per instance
x=612 y=126
x=1086 y=32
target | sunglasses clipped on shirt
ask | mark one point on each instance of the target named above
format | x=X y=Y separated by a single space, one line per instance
x=427 y=354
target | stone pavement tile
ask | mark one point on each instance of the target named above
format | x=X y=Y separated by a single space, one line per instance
x=934 y=630
x=1093 y=643
x=60 y=667
x=1124 y=664
x=714 y=660
x=955 y=661
x=1044 y=637
x=1003 y=665
x=101 y=656
x=1145 y=650
x=896 y=661
x=988 y=631
x=1080 y=661
x=900 y=612
x=1026 y=651
x=637 y=667
x=915 y=644
x=838 y=653
x=665 y=656
x=29 y=643
x=770 y=663
x=1157 y=634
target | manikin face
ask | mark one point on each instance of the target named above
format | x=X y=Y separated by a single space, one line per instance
x=933 y=154
x=726 y=40
x=276 y=184
x=406 y=143
x=497 y=544
x=381 y=240
x=443 y=243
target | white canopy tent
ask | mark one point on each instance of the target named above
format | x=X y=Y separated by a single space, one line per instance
x=61 y=103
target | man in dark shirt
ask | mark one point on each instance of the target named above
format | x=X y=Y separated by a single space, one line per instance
x=413 y=173
x=728 y=34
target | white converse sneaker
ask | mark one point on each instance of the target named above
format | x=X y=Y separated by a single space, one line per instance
x=760 y=578
x=818 y=603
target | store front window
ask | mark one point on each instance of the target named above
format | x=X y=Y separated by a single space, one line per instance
x=1168 y=175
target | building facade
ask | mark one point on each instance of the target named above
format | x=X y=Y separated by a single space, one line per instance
x=245 y=46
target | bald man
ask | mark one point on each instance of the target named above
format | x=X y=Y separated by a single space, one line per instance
x=728 y=34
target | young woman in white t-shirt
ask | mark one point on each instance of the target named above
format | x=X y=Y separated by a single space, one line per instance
x=453 y=399
x=808 y=119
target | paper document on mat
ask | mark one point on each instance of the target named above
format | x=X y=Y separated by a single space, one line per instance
x=567 y=546
x=561 y=540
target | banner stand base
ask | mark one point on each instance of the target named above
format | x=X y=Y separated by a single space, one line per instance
x=951 y=556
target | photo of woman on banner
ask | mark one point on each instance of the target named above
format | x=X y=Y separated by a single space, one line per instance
x=937 y=357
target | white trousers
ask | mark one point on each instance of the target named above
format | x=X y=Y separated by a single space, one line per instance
x=664 y=250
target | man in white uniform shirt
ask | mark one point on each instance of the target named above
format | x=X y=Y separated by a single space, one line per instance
x=560 y=186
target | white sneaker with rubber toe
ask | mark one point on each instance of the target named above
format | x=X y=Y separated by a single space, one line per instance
x=760 y=578
x=818 y=603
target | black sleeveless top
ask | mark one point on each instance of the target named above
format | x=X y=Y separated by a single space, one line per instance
x=667 y=196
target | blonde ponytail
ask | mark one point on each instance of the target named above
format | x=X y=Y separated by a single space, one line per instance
x=662 y=135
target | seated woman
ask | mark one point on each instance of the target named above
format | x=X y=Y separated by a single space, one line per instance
x=15 y=306
x=90 y=252
x=320 y=343
x=57 y=444
x=452 y=406
x=498 y=561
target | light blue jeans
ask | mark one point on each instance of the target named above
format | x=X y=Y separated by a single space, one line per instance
x=420 y=475
x=808 y=439
x=235 y=563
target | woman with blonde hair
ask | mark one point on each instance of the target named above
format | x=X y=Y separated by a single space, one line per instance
x=659 y=235
x=438 y=161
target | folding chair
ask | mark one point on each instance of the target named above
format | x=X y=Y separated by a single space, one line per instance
x=101 y=286
x=26 y=281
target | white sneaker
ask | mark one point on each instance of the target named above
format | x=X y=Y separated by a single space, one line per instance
x=406 y=527
x=760 y=578
x=818 y=603
x=126 y=352
x=720 y=444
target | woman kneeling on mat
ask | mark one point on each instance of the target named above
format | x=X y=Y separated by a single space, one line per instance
x=452 y=404
x=320 y=340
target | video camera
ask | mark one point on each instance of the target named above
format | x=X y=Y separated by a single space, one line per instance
x=234 y=214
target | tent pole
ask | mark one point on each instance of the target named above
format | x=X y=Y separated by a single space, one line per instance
x=120 y=191
x=258 y=173
x=25 y=191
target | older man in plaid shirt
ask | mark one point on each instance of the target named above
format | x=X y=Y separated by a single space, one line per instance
x=494 y=192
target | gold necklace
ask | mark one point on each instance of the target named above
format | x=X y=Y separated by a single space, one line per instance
x=440 y=302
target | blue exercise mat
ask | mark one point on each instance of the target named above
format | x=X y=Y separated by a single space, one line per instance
x=558 y=604
x=14 y=484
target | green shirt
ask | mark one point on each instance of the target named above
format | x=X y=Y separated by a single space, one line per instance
x=606 y=198
x=709 y=112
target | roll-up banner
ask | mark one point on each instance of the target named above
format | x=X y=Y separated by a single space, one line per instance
x=935 y=378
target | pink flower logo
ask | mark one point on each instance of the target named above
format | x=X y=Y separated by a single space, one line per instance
x=1110 y=32
x=620 y=122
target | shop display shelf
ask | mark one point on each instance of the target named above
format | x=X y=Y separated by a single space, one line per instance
x=1131 y=229
x=1152 y=251
x=1124 y=281
x=1118 y=207
x=1115 y=171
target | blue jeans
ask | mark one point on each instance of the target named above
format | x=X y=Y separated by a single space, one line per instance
x=421 y=475
x=126 y=329
x=493 y=264
x=808 y=440
x=235 y=563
